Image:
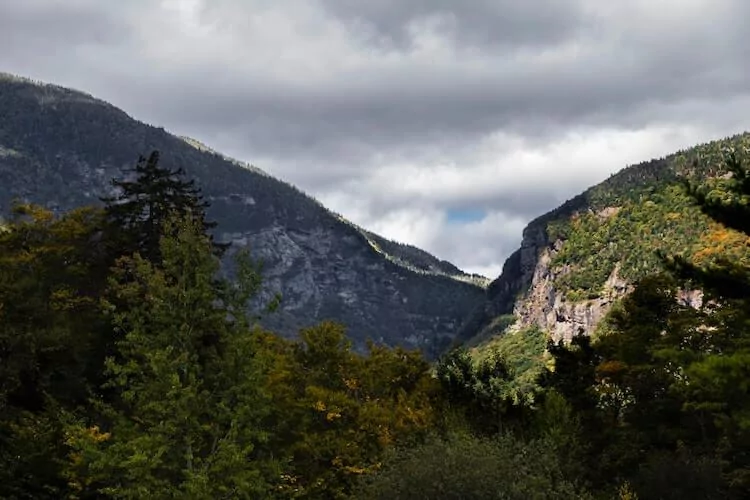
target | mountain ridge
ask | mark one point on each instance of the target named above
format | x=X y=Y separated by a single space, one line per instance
x=60 y=147
x=421 y=262
x=574 y=262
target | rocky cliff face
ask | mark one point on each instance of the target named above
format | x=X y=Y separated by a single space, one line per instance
x=527 y=290
x=577 y=261
x=60 y=148
x=545 y=307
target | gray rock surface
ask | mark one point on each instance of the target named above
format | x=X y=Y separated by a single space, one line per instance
x=60 y=148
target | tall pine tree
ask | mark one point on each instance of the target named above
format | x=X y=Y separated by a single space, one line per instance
x=185 y=417
x=136 y=215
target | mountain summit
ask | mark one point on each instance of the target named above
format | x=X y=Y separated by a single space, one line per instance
x=60 y=148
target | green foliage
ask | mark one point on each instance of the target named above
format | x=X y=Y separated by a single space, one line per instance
x=31 y=447
x=639 y=392
x=484 y=391
x=641 y=213
x=631 y=237
x=185 y=416
x=48 y=281
x=678 y=475
x=556 y=423
x=495 y=329
x=524 y=351
x=467 y=467
x=664 y=388
x=51 y=342
x=336 y=412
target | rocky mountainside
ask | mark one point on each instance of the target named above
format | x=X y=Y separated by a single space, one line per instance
x=578 y=260
x=60 y=148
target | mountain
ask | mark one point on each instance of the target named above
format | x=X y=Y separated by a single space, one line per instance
x=578 y=260
x=60 y=148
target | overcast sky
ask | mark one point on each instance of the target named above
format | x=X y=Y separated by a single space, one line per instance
x=448 y=124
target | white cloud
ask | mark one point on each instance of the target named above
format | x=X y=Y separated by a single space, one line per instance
x=409 y=202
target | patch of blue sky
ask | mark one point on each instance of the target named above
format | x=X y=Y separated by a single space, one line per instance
x=465 y=215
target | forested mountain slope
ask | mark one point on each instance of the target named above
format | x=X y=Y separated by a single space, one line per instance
x=576 y=261
x=60 y=148
x=144 y=375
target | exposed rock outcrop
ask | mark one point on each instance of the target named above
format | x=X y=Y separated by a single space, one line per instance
x=533 y=289
x=526 y=289
x=547 y=308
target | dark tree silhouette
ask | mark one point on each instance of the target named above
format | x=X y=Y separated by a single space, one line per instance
x=137 y=214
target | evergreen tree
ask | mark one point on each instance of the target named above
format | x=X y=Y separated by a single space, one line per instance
x=465 y=467
x=483 y=392
x=720 y=376
x=631 y=390
x=136 y=215
x=666 y=388
x=184 y=421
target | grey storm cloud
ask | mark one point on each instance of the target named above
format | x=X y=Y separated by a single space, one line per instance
x=329 y=94
x=626 y=80
x=480 y=23
x=508 y=84
x=40 y=27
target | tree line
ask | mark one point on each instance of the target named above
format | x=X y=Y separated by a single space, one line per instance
x=130 y=367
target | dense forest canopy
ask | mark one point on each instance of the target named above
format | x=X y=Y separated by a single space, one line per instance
x=129 y=368
x=641 y=212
